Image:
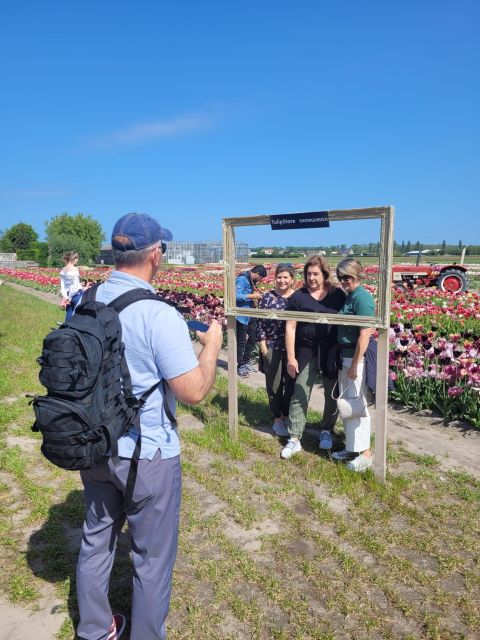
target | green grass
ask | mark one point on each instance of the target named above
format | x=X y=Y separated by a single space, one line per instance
x=301 y=549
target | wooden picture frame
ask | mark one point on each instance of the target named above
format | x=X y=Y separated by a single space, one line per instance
x=380 y=321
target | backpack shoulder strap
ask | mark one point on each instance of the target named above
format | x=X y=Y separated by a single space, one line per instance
x=90 y=294
x=134 y=295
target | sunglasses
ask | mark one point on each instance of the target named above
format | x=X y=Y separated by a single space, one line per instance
x=163 y=248
x=285 y=265
x=344 y=278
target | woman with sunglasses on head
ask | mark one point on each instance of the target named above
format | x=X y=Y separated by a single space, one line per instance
x=353 y=342
x=308 y=344
x=271 y=343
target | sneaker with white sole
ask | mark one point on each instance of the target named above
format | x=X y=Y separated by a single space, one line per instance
x=243 y=371
x=280 y=429
x=344 y=455
x=360 y=463
x=291 y=448
x=325 y=441
x=117 y=627
x=251 y=367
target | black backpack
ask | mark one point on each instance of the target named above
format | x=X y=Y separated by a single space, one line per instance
x=89 y=403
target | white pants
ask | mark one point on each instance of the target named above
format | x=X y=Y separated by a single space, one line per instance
x=357 y=430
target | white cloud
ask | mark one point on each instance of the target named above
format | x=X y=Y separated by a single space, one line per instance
x=143 y=132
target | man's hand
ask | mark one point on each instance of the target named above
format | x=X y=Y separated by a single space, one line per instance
x=213 y=337
x=292 y=368
x=193 y=386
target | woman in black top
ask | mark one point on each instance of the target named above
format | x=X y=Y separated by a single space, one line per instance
x=307 y=346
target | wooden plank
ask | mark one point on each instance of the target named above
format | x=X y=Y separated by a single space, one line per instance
x=305 y=316
x=333 y=214
x=229 y=265
x=381 y=400
x=232 y=378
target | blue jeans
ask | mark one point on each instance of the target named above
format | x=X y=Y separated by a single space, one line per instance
x=70 y=309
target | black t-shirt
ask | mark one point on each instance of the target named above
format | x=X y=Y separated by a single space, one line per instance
x=311 y=333
x=309 y=336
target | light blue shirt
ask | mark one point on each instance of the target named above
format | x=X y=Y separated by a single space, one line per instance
x=157 y=346
x=243 y=288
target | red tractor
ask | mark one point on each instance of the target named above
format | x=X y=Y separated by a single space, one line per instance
x=452 y=277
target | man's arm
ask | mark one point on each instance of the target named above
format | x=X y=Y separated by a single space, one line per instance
x=244 y=290
x=193 y=386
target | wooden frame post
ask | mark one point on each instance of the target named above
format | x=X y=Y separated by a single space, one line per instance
x=381 y=402
x=229 y=300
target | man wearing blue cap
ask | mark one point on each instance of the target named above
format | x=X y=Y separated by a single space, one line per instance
x=157 y=347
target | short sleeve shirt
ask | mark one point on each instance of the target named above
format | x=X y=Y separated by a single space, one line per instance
x=312 y=333
x=157 y=346
x=272 y=331
x=358 y=303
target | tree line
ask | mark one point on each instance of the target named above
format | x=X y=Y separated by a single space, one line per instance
x=370 y=249
x=63 y=233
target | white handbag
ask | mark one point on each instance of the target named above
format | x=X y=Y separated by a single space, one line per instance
x=354 y=407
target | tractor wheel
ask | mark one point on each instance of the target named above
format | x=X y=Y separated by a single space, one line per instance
x=452 y=281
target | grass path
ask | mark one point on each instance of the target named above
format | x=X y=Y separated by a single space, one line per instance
x=268 y=549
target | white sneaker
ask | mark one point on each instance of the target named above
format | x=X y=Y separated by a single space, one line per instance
x=325 y=441
x=291 y=448
x=360 y=463
x=280 y=429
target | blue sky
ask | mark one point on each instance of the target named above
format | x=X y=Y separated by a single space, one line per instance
x=197 y=110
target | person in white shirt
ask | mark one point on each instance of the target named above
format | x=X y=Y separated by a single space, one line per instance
x=70 y=286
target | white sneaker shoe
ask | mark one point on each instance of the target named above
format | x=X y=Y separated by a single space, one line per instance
x=360 y=463
x=291 y=448
x=325 y=441
x=280 y=429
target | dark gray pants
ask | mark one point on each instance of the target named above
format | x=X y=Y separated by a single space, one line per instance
x=277 y=381
x=153 y=524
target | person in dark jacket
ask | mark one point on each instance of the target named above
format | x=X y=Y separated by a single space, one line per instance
x=246 y=296
x=308 y=344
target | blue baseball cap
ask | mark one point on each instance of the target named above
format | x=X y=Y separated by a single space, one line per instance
x=136 y=231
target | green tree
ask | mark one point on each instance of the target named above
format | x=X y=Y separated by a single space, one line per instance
x=60 y=244
x=20 y=236
x=79 y=233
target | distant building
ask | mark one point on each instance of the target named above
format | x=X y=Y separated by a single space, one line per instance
x=106 y=255
x=192 y=252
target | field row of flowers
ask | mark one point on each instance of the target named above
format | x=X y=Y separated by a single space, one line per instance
x=434 y=336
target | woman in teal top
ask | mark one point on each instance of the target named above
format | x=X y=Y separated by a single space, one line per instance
x=353 y=342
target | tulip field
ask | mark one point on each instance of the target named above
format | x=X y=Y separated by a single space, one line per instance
x=434 y=336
